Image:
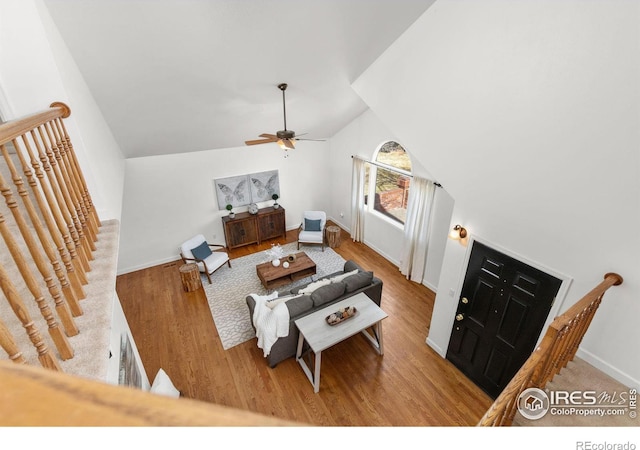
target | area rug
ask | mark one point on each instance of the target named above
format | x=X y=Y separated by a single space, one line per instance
x=230 y=286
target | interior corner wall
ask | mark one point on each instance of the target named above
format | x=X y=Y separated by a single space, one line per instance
x=528 y=113
x=171 y=198
x=36 y=71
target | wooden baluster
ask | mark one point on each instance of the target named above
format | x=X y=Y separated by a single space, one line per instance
x=68 y=191
x=61 y=307
x=60 y=152
x=16 y=303
x=72 y=301
x=8 y=344
x=59 y=339
x=559 y=345
x=76 y=172
x=48 y=162
x=66 y=284
x=62 y=238
x=83 y=182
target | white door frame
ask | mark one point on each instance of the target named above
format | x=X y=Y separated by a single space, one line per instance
x=557 y=302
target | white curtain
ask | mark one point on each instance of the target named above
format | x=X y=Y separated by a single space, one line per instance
x=416 y=229
x=357 y=200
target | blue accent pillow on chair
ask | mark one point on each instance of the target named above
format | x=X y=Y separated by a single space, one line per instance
x=312 y=225
x=201 y=251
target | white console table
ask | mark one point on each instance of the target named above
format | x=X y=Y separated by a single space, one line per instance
x=321 y=336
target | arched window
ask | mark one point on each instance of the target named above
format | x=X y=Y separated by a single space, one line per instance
x=388 y=179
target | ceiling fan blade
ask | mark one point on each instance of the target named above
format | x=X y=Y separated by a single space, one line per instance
x=315 y=140
x=267 y=135
x=260 y=141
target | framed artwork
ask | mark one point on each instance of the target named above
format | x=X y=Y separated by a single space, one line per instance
x=232 y=191
x=129 y=374
x=264 y=185
x=243 y=190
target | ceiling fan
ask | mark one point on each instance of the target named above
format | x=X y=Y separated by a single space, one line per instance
x=286 y=139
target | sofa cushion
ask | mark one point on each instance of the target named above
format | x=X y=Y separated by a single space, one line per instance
x=327 y=293
x=308 y=289
x=357 y=281
x=282 y=299
x=350 y=265
x=342 y=276
x=299 y=305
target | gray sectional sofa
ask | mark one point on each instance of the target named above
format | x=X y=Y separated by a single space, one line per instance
x=361 y=281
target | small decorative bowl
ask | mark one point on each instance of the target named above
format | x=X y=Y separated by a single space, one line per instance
x=341 y=315
x=291 y=258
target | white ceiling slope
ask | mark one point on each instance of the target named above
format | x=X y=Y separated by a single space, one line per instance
x=175 y=76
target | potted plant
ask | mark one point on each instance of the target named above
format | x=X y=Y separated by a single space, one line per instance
x=275 y=198
x=231 y=213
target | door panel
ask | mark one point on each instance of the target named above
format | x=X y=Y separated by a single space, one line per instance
x=502 y=309
x=478 y=311
x=513 y=321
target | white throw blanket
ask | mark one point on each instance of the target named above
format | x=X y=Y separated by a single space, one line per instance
x=270 y=324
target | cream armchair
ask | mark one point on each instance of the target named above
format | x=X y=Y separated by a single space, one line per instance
x=312 y=228
x=208 y=257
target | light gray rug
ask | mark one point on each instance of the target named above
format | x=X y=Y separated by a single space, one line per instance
x=229 y=287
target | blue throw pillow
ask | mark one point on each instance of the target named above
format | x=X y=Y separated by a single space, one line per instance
x=312 y=225
x=201 y=251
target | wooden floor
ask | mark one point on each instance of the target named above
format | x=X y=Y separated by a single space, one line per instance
x=411 y=385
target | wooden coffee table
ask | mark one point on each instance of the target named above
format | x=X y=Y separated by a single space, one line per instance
x=272 y=276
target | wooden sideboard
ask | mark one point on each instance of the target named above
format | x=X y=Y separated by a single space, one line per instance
x=246 y=228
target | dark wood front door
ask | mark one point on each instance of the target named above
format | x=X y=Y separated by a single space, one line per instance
x=501 y=311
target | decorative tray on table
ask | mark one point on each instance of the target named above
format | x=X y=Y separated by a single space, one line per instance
x=341 y=315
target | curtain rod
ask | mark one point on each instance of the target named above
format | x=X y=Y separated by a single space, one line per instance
x=373 y=163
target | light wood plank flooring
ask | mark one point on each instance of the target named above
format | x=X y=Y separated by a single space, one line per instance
x=411 y=385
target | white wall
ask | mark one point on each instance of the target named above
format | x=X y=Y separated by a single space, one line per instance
x=36 y=70
x=528 y=113
x=171 y=198
x=362 y=137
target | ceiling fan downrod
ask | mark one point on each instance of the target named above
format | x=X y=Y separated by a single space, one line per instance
x=283 y=87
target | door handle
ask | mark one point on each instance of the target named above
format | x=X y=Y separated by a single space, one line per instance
x=459 y=317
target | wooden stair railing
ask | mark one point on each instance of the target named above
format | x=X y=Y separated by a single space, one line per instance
x=58 y=196
x=558 y=346
x=34 y=397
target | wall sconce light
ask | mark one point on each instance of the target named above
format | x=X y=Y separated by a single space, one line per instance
x=458 y=232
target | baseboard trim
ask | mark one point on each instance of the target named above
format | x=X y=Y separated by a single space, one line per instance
x=158 y=262
x=614 y=373
x=430 y=286
x=436 y=347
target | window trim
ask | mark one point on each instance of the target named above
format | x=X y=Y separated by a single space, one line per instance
x=373 y=176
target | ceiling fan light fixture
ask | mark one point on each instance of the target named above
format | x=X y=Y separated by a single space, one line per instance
x=286 y=144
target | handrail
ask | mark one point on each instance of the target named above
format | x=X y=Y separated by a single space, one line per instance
x=558 y=347
x=37 y=397
x=55 y=193
x=15 y=128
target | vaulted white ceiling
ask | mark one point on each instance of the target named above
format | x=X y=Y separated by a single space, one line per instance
x=175 y=76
